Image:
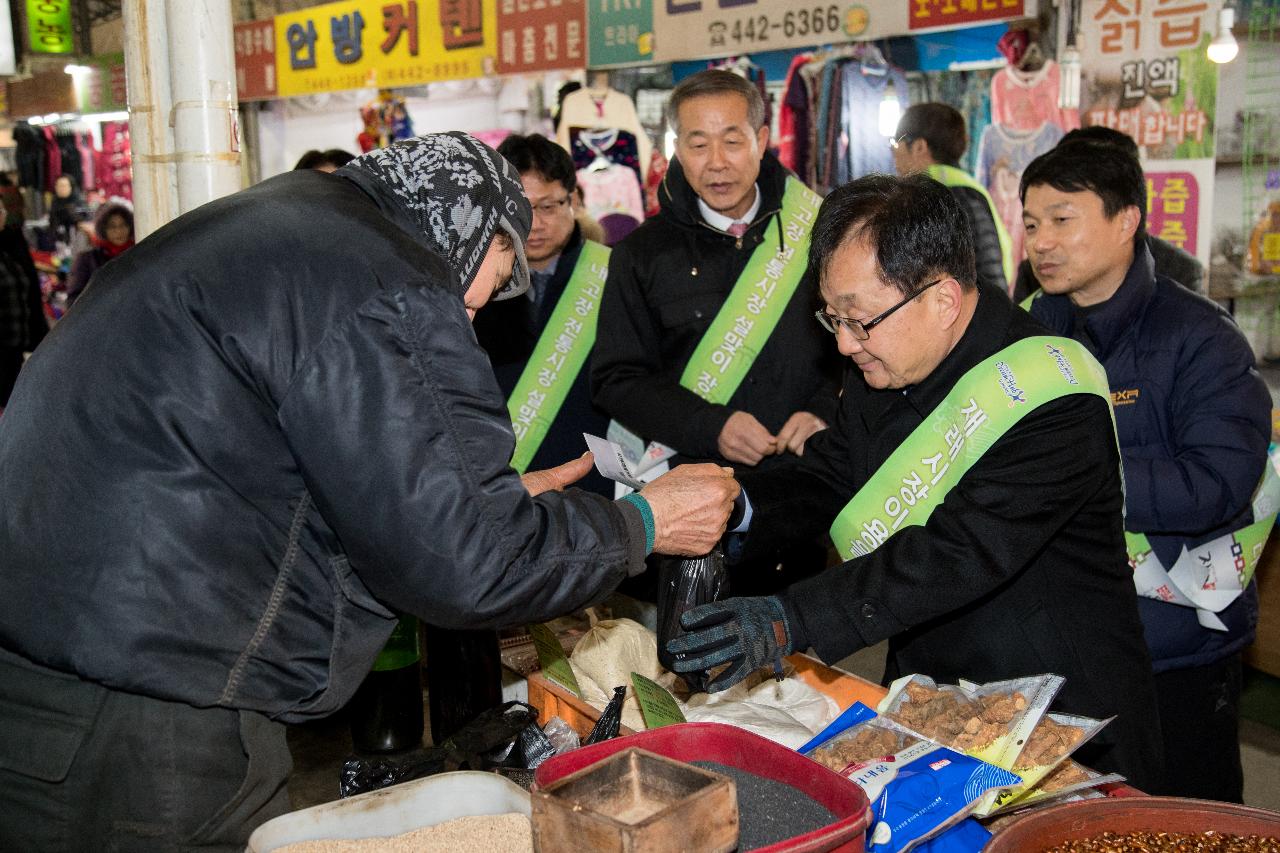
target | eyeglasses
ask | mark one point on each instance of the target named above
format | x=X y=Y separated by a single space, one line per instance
x=550 y=208
x=902 y=141
x=862 y=331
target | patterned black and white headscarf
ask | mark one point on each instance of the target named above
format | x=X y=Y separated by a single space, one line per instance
x=459 y=192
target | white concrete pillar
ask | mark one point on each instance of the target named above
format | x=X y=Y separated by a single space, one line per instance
x=183 y=122
x=204 y=113
x=146 y=57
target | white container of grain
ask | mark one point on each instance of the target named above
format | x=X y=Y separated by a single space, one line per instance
x=395 y=810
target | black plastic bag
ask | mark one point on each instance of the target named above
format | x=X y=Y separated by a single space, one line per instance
x=486 y=742
x=606 y=728
x=683 y=585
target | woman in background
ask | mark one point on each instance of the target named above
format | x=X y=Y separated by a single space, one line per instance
x=112 y=234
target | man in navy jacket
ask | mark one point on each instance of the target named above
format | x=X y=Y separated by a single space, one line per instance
x=1192 y=417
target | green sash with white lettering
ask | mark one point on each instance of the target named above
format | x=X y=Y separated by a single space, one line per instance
x=751 y=312
x=987 y=402
x=558 y=356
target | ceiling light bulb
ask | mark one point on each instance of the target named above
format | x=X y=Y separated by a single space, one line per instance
x=1224 y=48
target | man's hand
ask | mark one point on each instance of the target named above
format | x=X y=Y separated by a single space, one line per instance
x=797 y=430
x=746 y=633
x=744 y=439
x=555 y=479
x=690 y=505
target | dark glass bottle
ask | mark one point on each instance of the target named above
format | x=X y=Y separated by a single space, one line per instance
x=464 y=678
x=386 y=712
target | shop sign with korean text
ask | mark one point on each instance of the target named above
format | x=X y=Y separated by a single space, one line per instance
x=373 y=43
x=1180 y=203
x=102 y=89
x=621 y=32
x=49 y=28
x=1145 y=73
x=696 y=29
x=255 y=60
x=541 y=35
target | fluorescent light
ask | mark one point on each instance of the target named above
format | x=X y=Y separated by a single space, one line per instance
x=74 y=69
x=1223 y=48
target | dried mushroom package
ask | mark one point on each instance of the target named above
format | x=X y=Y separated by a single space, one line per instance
x=1052 y=741
x=990 y=721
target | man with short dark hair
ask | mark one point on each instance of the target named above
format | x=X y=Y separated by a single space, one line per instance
x=977 y=469
x=1172 y=262
x=707 y=342
x=1193 y=420
x=539 y=344
x=931 y=138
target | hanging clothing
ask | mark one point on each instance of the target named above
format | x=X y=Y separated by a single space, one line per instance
x=1003 y=155
x=1024 y=100
x=793 y=116
x=865 y=148
x=595 y=109
x=612 y=197
x=31 y=159
x=616 y=146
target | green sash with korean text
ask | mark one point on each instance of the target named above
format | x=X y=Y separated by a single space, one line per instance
x=558 y=356
x=749 y=315
x=992 y=397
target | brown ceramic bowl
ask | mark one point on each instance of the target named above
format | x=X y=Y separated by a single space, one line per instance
x=1055 y=825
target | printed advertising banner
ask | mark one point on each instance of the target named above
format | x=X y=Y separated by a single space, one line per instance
x=697 y=29
x=372 y=43
x=1145 y=73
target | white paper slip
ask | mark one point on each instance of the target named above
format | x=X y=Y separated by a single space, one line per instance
x=611 y=462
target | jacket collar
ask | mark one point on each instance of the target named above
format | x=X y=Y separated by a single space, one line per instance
x=680 y=203
x=984 y=336
x=1107 y=321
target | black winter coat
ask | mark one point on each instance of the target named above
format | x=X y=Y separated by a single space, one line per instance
x=667 y=281
x=509 y=331
x=988 y=254
x=267 y=430
x=1194 y=420
x=1021 y=570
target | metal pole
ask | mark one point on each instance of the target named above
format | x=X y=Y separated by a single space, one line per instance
x=155 y=197
x=202 y=85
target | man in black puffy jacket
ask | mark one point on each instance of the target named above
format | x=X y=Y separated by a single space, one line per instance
x=270 y=429
x=1193 y=420
x=931 y=138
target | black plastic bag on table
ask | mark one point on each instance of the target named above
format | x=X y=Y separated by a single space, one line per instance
x=684 y=584
x=487 y=742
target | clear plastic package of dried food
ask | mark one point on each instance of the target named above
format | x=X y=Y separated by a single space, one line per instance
x=1068 y=779
x=1051 y=743
x=917 y=788
x=988 y=721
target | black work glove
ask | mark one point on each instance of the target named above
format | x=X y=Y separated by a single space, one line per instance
x=746 y=633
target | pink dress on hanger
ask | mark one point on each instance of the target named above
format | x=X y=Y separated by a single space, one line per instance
x=1024 y=100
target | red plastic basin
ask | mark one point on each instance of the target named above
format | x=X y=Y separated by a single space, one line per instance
x=744 y=750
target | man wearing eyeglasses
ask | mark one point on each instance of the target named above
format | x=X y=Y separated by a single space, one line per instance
x=971 y=481
x=539 y=344
x=931 y=138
